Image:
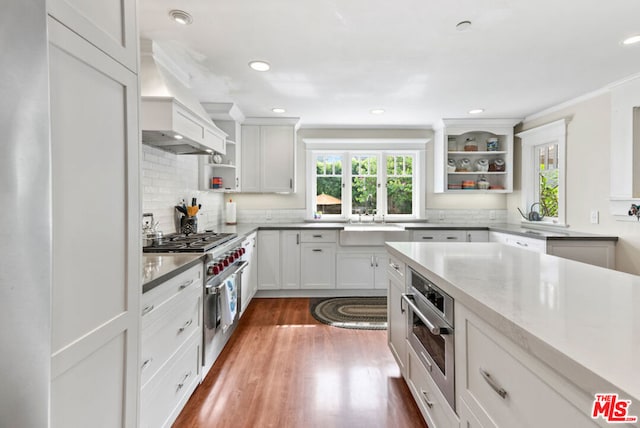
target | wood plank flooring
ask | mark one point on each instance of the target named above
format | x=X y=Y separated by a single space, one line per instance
x=282 y=368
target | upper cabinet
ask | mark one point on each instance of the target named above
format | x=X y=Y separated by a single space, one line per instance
x=474 y=156
x=268 y=155
x=220 y=172
x=110 y=25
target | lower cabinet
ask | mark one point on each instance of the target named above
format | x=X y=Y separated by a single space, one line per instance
x=452 y=235
x=318 y=266
x=596 y=252
x=290 y=260
x=361 y=270
x=268 y=260
x=397 y=314
x=170 y=367
x=499 y=385
x=432 y=404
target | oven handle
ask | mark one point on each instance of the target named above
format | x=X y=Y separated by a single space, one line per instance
x=435 y=330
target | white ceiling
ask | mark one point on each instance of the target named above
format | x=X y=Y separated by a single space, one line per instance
x=333 y=61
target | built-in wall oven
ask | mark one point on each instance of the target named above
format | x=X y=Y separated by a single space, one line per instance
x=430 y=331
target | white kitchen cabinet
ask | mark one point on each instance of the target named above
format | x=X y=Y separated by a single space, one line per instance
x=361 y=270
x=249 y=276
x=318 y=266
x=171 y=338
x=396 y=313
x=109 y=25
x=228 y=170
x=269 y=260
x=450 y=141
x=503 y=386
x=95 y=320
x=596 y=252
x=432 y=404
x=290 y=261
x=268 y=156
x=439 y=236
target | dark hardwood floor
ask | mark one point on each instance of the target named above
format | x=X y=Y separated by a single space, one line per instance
x=282 y=368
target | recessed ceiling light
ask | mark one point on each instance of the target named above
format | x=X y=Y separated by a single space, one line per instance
x=631 y=40
x=278 y=110
x=463 y=25
x=260 y=65
x=181 y=17
x=178 y=137
x=377 y=111
x=476 y=111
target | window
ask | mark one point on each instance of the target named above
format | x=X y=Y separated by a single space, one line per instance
x=353 y=184
x=543 y=175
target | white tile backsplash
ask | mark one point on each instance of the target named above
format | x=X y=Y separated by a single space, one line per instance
x=469 y=216
x=166 y=179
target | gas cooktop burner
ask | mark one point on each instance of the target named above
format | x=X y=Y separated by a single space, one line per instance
x=192 y=243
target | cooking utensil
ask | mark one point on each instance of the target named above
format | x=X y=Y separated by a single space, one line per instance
x=182 y=209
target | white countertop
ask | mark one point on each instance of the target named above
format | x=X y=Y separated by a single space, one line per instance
x=158 y=267
x=582 y=320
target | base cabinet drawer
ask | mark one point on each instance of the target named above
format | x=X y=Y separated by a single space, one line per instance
x=433 y=406
x=153 y=299
x=162 y=399
x=501 y=384
x=318 y=236
x=161 y=339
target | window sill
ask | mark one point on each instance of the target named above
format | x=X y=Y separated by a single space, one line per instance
x=543 y=225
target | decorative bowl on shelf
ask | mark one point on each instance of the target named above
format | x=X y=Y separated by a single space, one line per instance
x=464 y=165
x=482 y=165
x=217 y=158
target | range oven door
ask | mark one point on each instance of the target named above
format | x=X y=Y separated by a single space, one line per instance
x=432 y=340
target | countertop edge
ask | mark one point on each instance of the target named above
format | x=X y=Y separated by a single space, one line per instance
x=148 y=286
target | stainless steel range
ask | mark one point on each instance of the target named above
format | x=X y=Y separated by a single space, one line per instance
x=224 y=262
x=192 y=243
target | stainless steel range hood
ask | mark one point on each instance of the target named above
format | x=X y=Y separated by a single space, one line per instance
x=171 y=116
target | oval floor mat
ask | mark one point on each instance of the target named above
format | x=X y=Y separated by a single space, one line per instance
x=365 y=313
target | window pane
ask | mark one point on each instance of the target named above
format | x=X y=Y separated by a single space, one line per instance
x=400 y=184
x=328 y=184
x=363 y=195
x=548 y=179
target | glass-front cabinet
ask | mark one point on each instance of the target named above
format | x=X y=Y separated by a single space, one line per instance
x=474 y=155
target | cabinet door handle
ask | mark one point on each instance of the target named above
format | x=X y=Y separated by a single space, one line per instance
x=317 y=250
x=297 y=239
x=184 y=379
x=146 y=363
x=427 y=237
x=425 y=398
x=375 y=259
x=468 y=237
x=185 y=285
x=184 y=327
x=492 y=383
x=402 y=310
x=147 y=309
x=291 y=183
x=237 y=182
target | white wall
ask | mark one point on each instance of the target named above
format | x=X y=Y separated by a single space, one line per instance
x=166 y=179
x=588 y=172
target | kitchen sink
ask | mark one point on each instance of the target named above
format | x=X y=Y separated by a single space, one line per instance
x=372 y=234
x=373 y=227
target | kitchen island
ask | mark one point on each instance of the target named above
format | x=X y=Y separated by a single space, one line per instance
x=574 y=326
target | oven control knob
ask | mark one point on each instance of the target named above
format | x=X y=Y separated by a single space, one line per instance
x=210 y=269
x=225 y=262
x=242 y=251
x=215 y=270
x=220 y=265
x=231 y=258
x=238 y=253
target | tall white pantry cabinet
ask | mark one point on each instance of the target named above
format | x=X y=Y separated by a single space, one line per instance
x=95 y=320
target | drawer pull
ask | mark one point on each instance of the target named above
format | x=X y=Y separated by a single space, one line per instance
x=183 y=328
x=184 y=379
x=492 y=383
x=452 y=237
x=317 y=236
x=396 y=268
x=427 y=237
x=425 y=397
x=522 y=244
x=185 y=285
x=317 y=250
x=147 y=309
x=146 y=363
